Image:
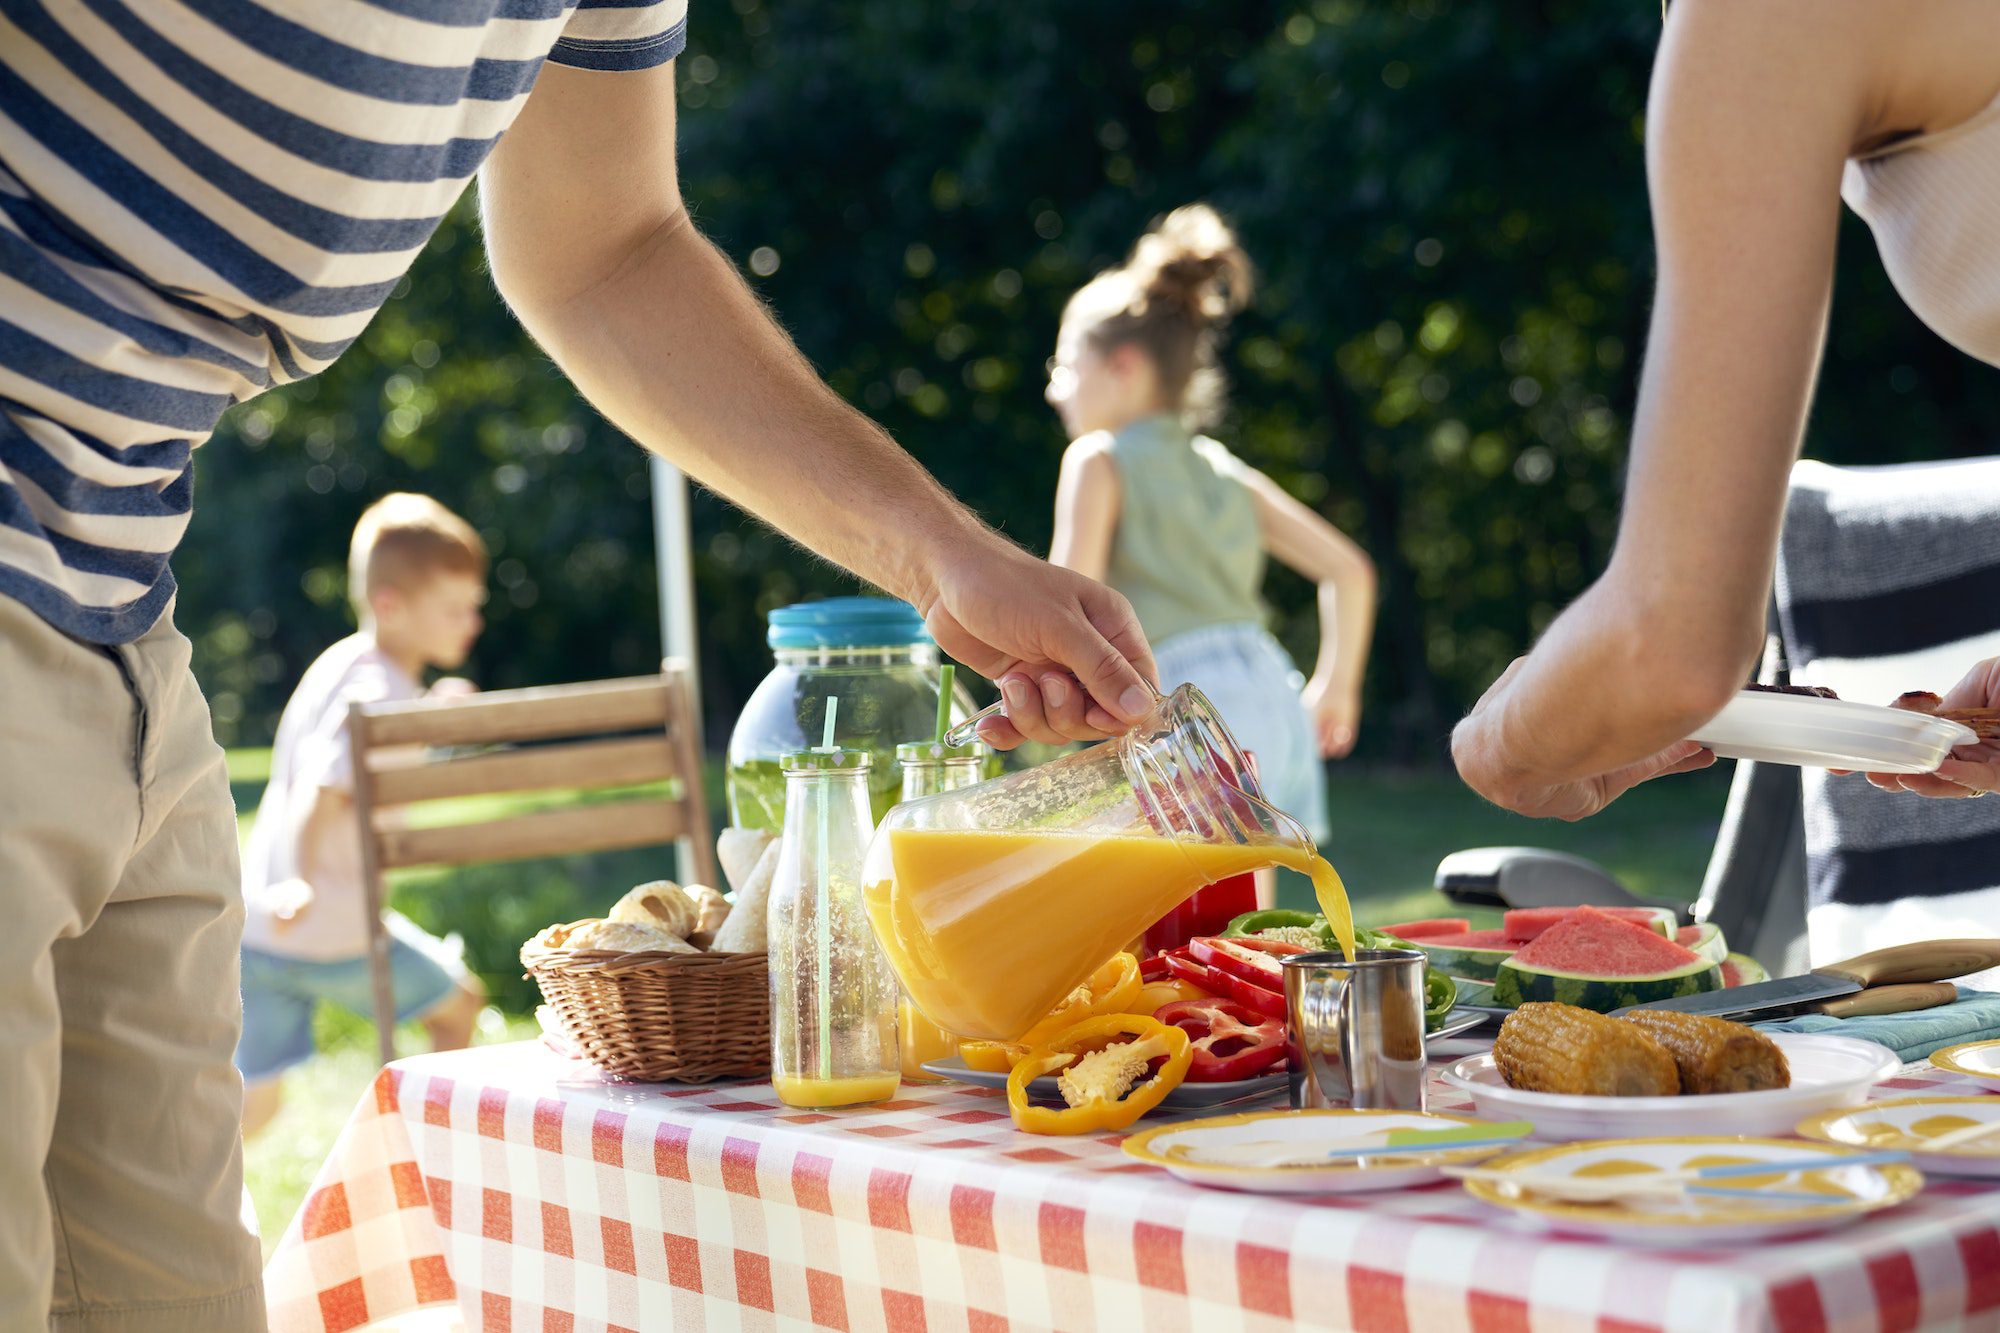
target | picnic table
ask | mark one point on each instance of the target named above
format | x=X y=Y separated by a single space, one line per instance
x=540 y=1196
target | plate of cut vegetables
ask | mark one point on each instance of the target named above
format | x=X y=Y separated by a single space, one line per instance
x=1319 y=1152
x=1702 y=1190
x=1208 y=1018
x=1184 y=1096
x=1581 y=1074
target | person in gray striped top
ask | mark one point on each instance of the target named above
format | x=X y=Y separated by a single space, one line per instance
x=203 y=198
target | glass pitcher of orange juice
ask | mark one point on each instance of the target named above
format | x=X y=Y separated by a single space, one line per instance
x=995 y=901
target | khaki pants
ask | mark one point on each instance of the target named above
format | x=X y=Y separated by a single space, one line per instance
x=121 y=1162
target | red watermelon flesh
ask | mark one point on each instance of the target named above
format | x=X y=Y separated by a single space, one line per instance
x=1688 y=936
x=1731 y=976
x=1428 y=929
x=1471 y=939
x=1527 y=923
x=1589 y=942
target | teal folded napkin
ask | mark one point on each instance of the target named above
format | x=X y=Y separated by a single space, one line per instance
x=1974 y=1016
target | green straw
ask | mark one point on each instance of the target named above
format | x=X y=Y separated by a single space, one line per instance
x=944 y=702
x=825 y=904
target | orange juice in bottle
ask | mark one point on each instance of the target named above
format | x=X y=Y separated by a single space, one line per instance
x=833 y=996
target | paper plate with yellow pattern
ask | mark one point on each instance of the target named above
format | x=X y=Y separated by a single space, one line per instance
x=1910 y=1123
x=1974 y=1059
x=1271 y=1152
x=1784 y=1202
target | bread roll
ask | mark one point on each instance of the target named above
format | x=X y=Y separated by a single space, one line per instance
x=625 y=937
x=739 y=849
x=711 y=909
x=747 y=929
x=660 y=904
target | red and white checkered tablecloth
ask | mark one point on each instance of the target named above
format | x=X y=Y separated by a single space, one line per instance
x=541 y=1197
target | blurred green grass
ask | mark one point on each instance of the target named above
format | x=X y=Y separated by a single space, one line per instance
x=1389 y=830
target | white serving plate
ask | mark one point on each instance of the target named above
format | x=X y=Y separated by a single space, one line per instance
x=1695 y=1220
x=1973 y=1059
x=1906 y=1123
x=1197 y=1151
x=1827 y=1072
x=1809 y=732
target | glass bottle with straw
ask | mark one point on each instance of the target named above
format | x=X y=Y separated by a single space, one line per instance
x=833 y=996
x=931 y=767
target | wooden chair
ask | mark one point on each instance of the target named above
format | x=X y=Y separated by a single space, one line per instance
x=600 y=734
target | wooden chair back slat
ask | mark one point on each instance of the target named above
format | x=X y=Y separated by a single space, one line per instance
x=612 y=763
x=541 y=713
x=612 y=826
x=592 y=722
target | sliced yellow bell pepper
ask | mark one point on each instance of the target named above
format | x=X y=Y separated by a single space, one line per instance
x=993 y=1057
x=1105 y=1081
x=1112 y=989
x=1156 y=995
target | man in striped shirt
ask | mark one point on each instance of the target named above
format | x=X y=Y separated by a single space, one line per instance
x=203 y=198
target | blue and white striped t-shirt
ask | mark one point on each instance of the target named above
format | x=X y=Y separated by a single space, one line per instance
x=202 y=198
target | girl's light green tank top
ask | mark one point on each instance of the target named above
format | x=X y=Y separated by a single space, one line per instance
x=1187 y=552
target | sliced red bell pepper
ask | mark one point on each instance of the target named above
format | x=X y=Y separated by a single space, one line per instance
x=1154 y=968
x=1251 y=960
x=1247 y=993
x=1187 y=969
x=1231 y=1041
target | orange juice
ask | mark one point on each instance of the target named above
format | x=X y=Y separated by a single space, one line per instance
x=921 y=1041
x=988 y=929
x=849 y=1090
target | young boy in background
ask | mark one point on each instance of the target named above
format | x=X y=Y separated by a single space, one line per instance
x=417 y=577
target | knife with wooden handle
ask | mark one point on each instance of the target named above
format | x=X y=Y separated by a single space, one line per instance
x=1905 y=998
x=1903 y=964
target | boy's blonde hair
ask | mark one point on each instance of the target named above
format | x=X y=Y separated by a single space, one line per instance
x=404 y=540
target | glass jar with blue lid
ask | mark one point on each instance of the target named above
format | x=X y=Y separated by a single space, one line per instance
x=876 y=655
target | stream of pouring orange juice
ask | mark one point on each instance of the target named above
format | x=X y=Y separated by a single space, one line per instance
x=989 y=929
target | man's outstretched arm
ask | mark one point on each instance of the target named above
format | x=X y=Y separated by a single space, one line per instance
x=593 y=249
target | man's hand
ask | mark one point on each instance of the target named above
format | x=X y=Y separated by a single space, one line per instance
x=1972 y=770
x=288 y=900
x=1037 y=631
x=452 y=687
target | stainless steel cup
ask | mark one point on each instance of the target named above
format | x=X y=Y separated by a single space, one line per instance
x=1355 y=1031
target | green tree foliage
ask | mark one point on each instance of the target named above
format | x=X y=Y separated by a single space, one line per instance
x=1446 y=199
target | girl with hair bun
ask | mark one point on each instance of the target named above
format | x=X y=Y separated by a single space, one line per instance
x=1181 y=526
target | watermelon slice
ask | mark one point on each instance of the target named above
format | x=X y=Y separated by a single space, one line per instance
x=1524 y=924
x=1740 y=969
x=1595 y=961
x=1475 y=954
x=1705 y=940
x=1419 y=930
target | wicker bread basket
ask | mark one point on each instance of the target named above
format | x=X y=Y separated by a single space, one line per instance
x=654 y=1017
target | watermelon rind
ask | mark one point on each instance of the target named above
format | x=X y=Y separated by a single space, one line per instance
x=1515 y=984
x=1458 y=960
x=1740 y=969
x=1705 y=939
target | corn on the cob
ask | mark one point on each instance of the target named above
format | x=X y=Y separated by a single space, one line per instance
x=1713 y=1054
x=1545 y=1047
